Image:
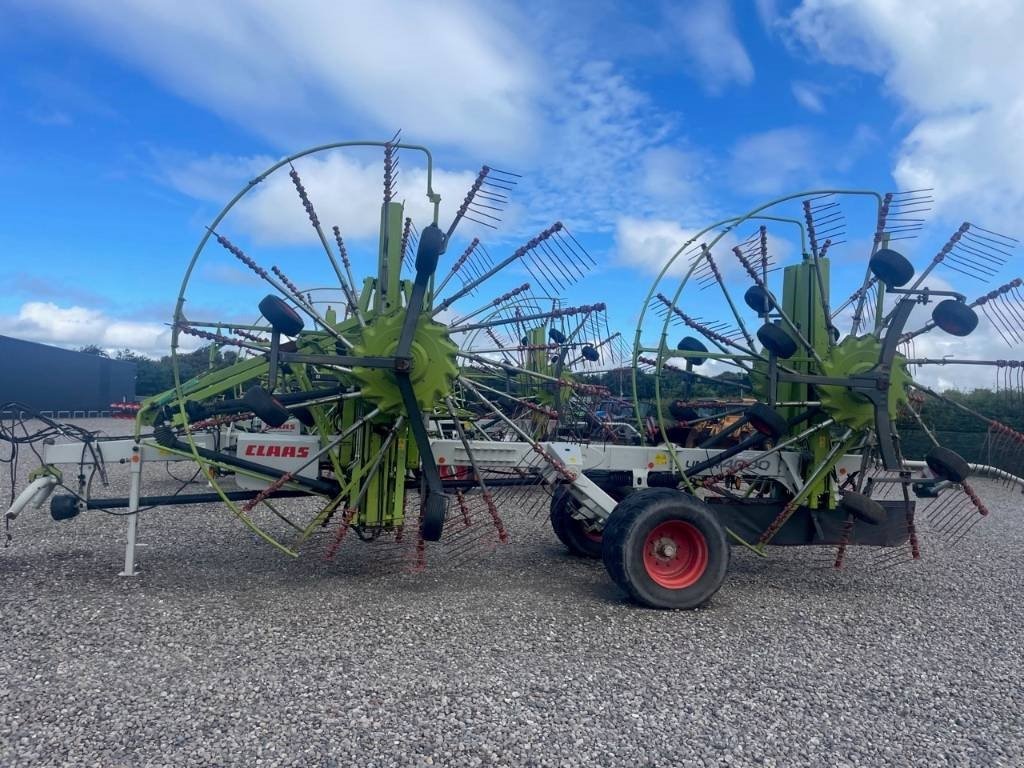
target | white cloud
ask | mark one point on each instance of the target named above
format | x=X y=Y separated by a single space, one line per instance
x=603 y=141
x=650 y=243
x=77 y=326
x=215 y=178
x=767 y=12
x=955 y=69
x=598 y=125
x=778 y=160
x=347 y=193
x=672 y=175
x=808 y=96
x=488 y=84
x=711 y=44
x=345 y=187
x=307 y=69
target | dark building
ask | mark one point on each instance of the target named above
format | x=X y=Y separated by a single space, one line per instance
x=57 y=380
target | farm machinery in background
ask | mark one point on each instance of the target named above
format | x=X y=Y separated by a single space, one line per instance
x=409 y=408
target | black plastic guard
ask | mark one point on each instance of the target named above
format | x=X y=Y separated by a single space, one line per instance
x=749 y=519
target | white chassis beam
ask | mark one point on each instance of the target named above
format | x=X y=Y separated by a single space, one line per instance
x=128 y=451
x=574 y=458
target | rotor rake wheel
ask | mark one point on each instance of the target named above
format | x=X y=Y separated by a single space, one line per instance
x=318 y=420
x=797 y=392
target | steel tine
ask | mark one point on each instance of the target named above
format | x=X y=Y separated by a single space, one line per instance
x=991 y=256
x=962 y=271
x=995 y=244
x=579 y=249
x=389 y=169
x=1013 y=309
x=500 y=184
x=967 y=260
x=986 y=309
x=1007 y=319
x=574 y=258
x=546 y=278
x=474 y=209
x=567 y=267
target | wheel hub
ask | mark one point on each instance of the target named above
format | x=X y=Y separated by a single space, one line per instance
x=675 y=554
x=665 y=548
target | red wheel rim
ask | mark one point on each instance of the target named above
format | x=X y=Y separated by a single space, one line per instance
x=592 y=535
x=675 y=554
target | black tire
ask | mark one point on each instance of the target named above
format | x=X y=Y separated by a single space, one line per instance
x=568 y=529
x=435 y=509
x=431 y=245
x=556 y=336
x=681 y=412
x=891 y=267
x=305 y=416
x=947 y=464
x=281 y=316
x=590 y=353
x=955 y=317
x=690 y=344
x=776 y=340
x=757 y=299
x=626 y=536
x=263 y=404
x=767 y=421
x=863 y=508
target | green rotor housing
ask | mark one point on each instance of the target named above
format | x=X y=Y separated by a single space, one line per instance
x=854 y=355
x=433 y=362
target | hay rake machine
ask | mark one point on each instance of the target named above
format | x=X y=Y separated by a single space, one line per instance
x=325 y=420
x=389 y=413
x=812 y=455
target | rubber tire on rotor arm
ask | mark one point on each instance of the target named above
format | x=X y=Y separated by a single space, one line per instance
x=947 y=464
x=690 y=344
x=681 y=412
x=776 y=340
x=891 y=267
x=767 y=421
x=281 y=316
x=955 y=317
x=757 y=299
x=265 y=406
x=864 y=508
x=625 y=537
x=433 y=511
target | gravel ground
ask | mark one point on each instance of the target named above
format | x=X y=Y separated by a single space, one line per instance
x=224 y=652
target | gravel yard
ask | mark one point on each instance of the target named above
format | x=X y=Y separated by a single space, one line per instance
x=225 y=652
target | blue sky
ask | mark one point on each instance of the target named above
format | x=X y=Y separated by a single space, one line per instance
x=126 y=125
